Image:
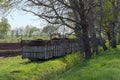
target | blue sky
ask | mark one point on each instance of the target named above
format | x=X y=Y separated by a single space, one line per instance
x=21 y=19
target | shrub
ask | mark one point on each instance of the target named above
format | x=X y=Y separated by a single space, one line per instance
x=72 y=59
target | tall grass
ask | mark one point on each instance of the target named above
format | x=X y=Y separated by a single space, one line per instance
x=15 y=68
x=101 y=67
x=105 y=66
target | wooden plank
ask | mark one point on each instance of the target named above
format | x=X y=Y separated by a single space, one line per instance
x=33 y=49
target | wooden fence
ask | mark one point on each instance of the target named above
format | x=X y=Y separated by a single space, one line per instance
x=10 y=49
x=48 y=49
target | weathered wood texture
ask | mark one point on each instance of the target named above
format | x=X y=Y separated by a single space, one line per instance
x=10 y=46
x=10 y=49
x=48 y=49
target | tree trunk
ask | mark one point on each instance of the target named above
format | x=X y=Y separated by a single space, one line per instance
x=119 y=36
x=100 y=28
x=102 y=42
x=78 y=32
x=84 y=26
x=108 y=32
x=91 y=22
x=79 y=39
x=83 y=41
x=114 y=34
x=81 y=30
x=115 y=23
x=87 y=47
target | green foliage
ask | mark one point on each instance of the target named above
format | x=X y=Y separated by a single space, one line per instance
x=102 y=67
x=4 y=27
x=1 y=0
x=5 y=4
x=72 y=59
x=15 y=68
x=107 y=13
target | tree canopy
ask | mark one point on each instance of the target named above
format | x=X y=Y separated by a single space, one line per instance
x=4 y=27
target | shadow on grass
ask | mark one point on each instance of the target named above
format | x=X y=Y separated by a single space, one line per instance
x=43 y=61
x=29 y=62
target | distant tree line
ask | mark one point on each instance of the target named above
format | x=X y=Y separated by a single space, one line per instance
x=27 y=31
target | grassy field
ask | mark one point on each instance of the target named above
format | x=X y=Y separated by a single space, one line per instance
x=15 y=68
x=18 y=39
x=103 y=67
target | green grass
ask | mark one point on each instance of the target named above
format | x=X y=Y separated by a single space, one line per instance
x=15 y=68
x=105 y=66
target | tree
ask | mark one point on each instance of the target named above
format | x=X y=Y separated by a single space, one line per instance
x=100 y=27
x=91 y=22
x=29 y=31
x=49 y=29
x=107 y=19
x=33 y=31
x=81 y=14
x=54 y=12
x=17 y=32
x=4 y=27
x=110 y=20
x=116 y=5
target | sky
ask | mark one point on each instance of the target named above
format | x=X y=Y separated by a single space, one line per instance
x=21 y=19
